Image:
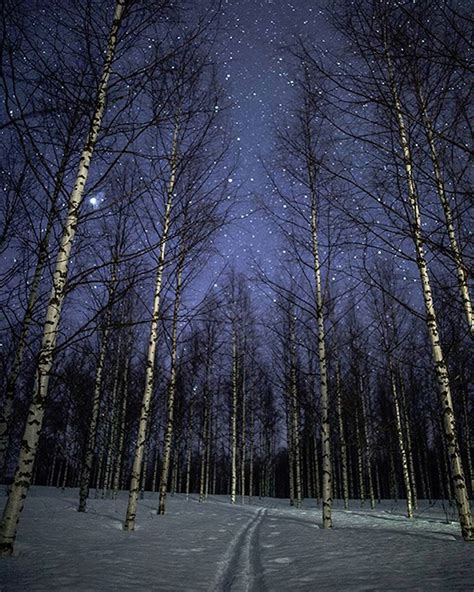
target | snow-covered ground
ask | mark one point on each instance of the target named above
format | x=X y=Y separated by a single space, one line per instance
x=266 y=546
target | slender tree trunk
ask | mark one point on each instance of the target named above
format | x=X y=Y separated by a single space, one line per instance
x=121 y=439
x=377 y=482
x=294 y=414
x=206 y=430
x=96 y=400
x=360 y=459
x=233 y=419
x=214 y=468
x=243 y=436
x=401 y=443
x=144 y=473
x=409 y=448
x=204 y=446
x=251 y=454
x=208 y=455
x=342 y=440
x=131 y=513
x=291 y=450
x=297 y=452
x=317 y=477
x=325 y=430
x=23 y=474
x=367 y=447
x=441 y=370
x=189 y=450
x=7 y=408
x=111 y=454
x=461 y=270
x=174 y=470
x=171 y=388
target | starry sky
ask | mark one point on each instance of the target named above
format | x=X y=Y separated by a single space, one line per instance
x=257 y=75
x=260 y=85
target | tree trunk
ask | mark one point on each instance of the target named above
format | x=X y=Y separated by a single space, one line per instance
x=189 y=450
x=23 y=473
x=342 y=440
x=401 y=443
x=121 y=439
x=360 y=459
x=367 y=447
x=233 y=420
x=92 y=432
x=317 y=478
x=409 y=448
x=12 y=377
x=131 y=513
x=325 y=429
x=251 y=453
x=441 y=370
x=461 y=270
x=243 y=436
x=171 y=388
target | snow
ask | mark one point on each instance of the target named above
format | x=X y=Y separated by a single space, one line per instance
x=267 y=546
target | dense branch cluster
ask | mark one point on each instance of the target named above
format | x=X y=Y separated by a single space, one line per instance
x=345 y=373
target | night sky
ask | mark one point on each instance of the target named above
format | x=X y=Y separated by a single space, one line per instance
x=258 y=77
x=260 y=86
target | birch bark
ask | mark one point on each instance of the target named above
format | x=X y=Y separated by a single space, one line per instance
x=92 y=431
x=342 y=440
x=131 y=513
x=401 y=442
x=325 y=429
x=461 y=270
x=233 y=419
x=23 y=473
x=441 y=370
x=7 y=408
x=171 y=388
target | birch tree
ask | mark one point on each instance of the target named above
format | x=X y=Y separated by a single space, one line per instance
x=302 y=152
x=374 y=33
x=23 y=472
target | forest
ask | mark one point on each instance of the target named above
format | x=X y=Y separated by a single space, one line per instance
x=137 y=360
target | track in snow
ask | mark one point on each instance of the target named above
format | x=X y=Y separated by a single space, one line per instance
x=240 y=569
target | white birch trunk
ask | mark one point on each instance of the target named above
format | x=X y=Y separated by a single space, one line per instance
x=7 y=408
x=251 y=453
x=23 y=473
x=409 y=448
x=461 y=271
x=121 y=439
x=401 y=444
x=243 y=436
x=360 y=459
x=367 y=447
x=92 y=432
x=325 y=430
x=294 y=415
x=317 y=478
x=131 y=513
x=189 y=450
x=233 y=421
x=171 y=389
x=441 y=370
x=291 y=448
x=342 y=440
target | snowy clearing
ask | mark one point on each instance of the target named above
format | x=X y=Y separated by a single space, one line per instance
x=214 y=546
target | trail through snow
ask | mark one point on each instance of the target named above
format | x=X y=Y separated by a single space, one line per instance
x=218 y=547
x=240 y=568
